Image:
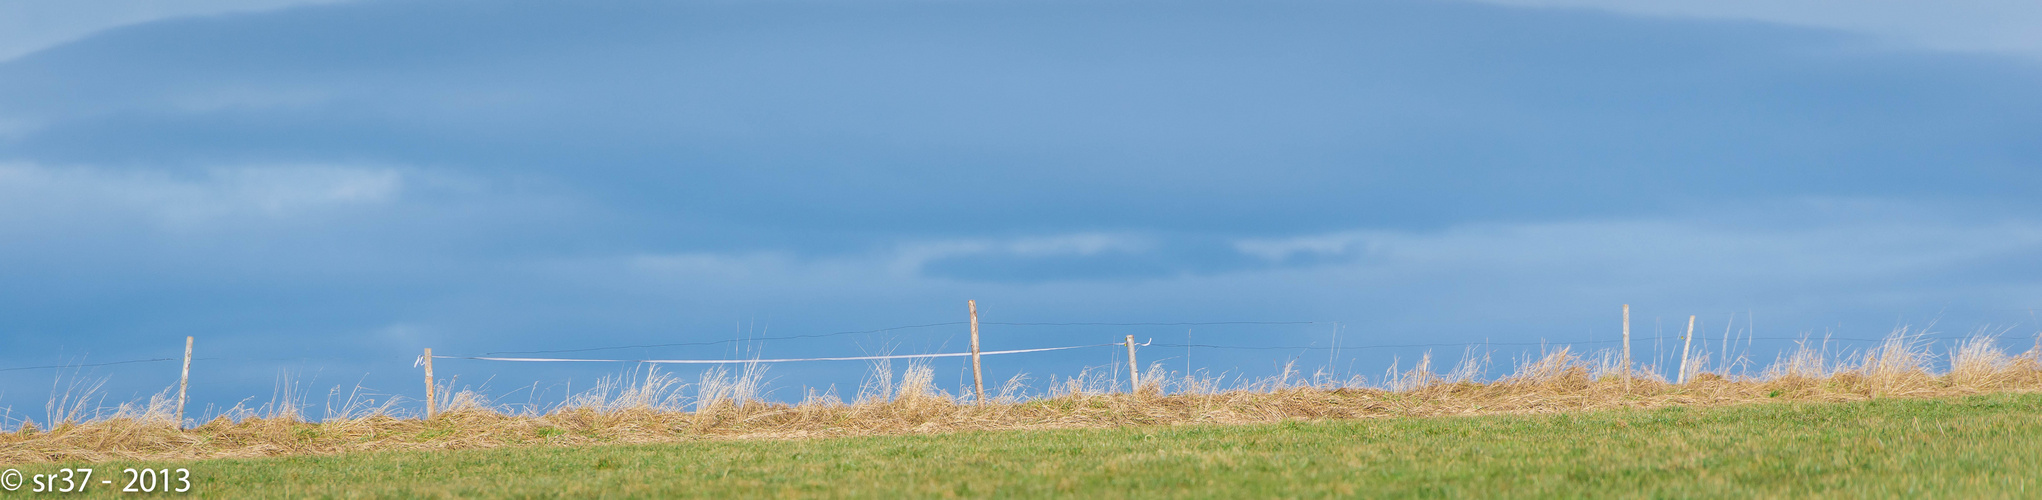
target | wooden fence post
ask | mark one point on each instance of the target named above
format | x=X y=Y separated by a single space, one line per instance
x=1687 y=342
x=978 y=376
x=1134 y=377
x=431 y=398
x=183 y=381
x=1627 y=347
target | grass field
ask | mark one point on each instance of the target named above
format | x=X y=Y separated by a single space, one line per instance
x=1987 y=446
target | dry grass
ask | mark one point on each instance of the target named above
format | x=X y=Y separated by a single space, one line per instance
x=653 y=407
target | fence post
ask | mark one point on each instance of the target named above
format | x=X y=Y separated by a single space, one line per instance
x=183 y=381
x=1627 y=347
x=1134 y=377
x=1687 y=342
x=978 y=377
x=431 y=399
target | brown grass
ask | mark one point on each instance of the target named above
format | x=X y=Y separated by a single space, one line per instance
x=649 y=407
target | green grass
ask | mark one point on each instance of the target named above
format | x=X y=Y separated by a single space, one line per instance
x=1977 y=447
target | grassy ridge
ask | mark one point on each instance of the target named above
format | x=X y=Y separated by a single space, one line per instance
x=1975 y=447
x=654 y=407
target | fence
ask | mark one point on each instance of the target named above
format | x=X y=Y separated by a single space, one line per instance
x=1128 y=342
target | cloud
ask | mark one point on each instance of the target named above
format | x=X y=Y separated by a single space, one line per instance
x=1969 y=25
x=1727 y=256
x=41 y=194
x=1313 y=246
x=30 y=25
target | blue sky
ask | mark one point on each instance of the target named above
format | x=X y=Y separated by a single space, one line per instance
x=319 y=189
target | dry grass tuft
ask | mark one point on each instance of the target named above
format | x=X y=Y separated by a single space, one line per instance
x=653 y=406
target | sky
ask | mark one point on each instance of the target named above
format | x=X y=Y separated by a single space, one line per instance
x=316 y=191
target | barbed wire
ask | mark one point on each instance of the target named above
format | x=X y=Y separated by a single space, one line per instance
x=785 y=337
x=109 y=363
x=1193 y=323
x=889 y=329
x=1326 y=347
x=955 y=323
x=421 y=359
x=1557 y=344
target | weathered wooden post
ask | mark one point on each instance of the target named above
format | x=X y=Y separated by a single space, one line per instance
x=431 y=389
x=183 y=381
x=1687 y=343
x=1134 y=376
x=1627 y=347
x=978 y=377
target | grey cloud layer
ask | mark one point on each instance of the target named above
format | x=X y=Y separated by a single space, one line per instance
x=1040 y=117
